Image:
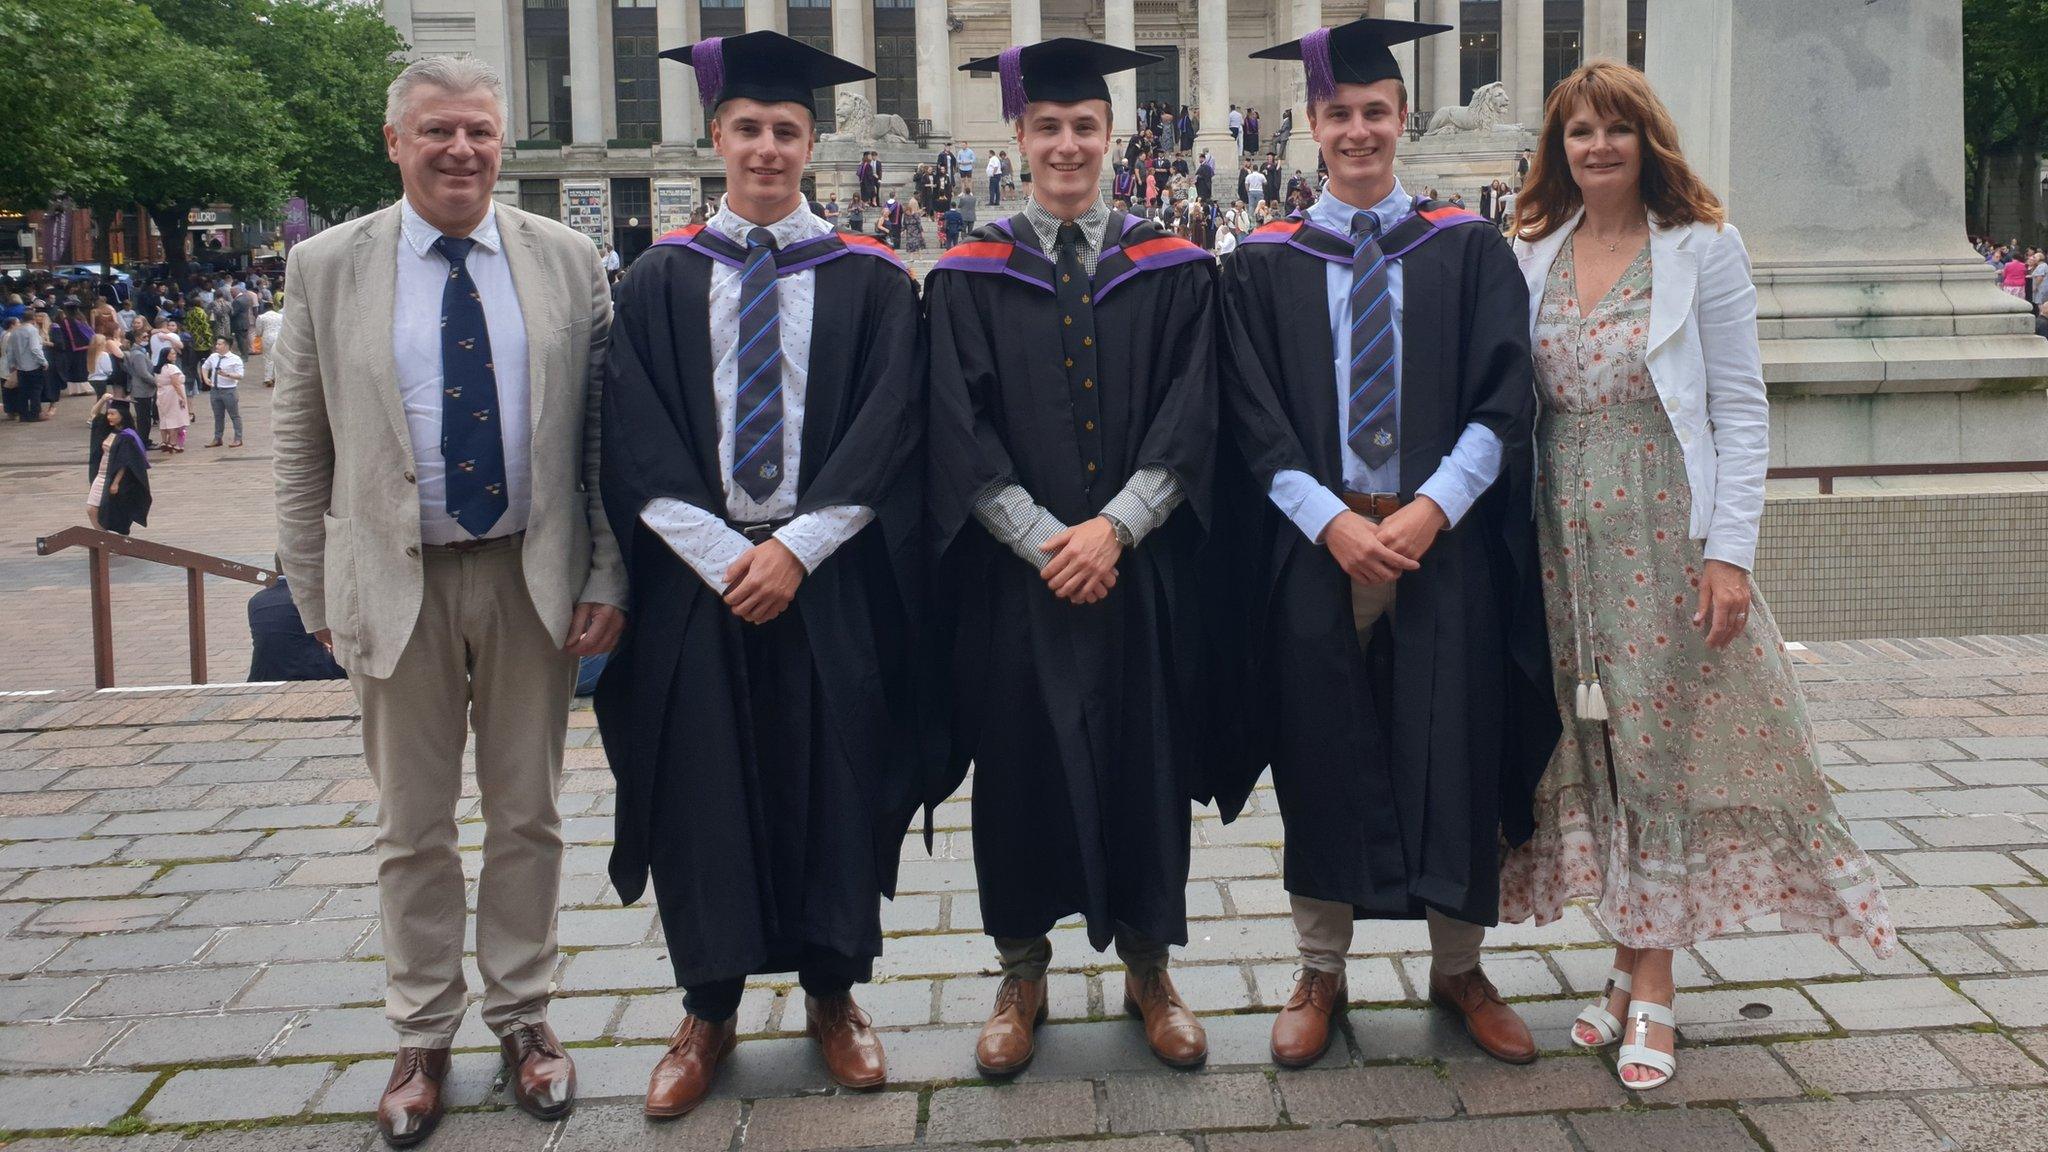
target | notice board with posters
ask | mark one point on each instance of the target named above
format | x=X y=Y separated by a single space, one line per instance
x=674 y=200
x=586 y=207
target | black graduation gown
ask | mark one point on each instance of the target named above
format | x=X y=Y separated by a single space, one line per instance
x=1398 y=774
x=1084 y=722
x=766 y=774
x=127 y=460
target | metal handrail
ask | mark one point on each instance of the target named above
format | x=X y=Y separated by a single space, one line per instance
x=197 y=566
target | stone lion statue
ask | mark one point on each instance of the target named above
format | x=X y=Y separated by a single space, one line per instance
x=854 y=120
x=1486 y=113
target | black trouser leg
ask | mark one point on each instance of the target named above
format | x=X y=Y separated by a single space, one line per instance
x=825 y=973
x=714 y=1002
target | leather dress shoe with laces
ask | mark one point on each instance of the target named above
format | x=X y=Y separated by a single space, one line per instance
x=1303 y=1029
x=684 y=1075
x=1493 y=1025
x=1007 y=1041
x=846 y=1038
x=1171 y=1029
x=411 y=1105
x=542 y=1075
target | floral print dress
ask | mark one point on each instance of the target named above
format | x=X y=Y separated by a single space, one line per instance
x=1700 y=803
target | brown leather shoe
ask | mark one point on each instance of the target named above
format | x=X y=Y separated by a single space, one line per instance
x=1493 y=1025
x=411 y=1105
x=847 y=1040
x=1171 y=1029
x=683 y=1077
x=1302 y=1031
x=1007 y=1042
x=542 y=1075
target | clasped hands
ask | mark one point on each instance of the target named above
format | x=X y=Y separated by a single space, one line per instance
x=1083 y=565
x=1378 y=553
x=761 y=583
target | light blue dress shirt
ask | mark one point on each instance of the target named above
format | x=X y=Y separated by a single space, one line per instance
x=1463 y=477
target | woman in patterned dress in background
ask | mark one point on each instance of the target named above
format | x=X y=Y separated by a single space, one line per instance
x=1686 y=796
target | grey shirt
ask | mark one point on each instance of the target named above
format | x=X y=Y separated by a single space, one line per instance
x=24 y=349
x=1008 y=511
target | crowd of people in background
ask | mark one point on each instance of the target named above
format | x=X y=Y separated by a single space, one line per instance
x=2019 y=271
x=143 y=354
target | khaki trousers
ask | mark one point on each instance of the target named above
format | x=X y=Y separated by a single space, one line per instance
x=479 y=658
x=1322 y=928
x=1027 y=958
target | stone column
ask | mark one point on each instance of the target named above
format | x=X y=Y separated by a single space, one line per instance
x=1606 y=31
x=682 y=120
x=934 y=67
x=769 y=15
x=1212 y=50
x=1404 y=54
x=1307 y=16
x=1885 y=340
x=1446 y=86
x=586 y=76
x=1120 y=28
x=853 y=38
x=1025 y=22
x=1522 y=46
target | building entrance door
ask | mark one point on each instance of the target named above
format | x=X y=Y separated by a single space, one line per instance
x=1160 y=81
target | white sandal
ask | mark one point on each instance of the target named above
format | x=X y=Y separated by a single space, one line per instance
x=1598 y=1018
x=1639 y=1054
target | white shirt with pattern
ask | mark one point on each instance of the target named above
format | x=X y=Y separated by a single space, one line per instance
x=704 y=540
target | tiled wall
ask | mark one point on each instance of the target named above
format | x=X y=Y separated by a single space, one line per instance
x=1851 y=567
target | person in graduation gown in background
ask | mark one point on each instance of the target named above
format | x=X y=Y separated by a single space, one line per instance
x=1380 y=396
x=762 y=429
x=1072 y=435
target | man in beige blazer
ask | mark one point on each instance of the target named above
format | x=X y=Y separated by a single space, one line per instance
x=438 y=383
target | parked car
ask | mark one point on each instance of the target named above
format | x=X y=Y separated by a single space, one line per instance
x=85 y=274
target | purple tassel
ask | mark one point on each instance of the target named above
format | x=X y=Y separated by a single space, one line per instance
x=1315 y=56
x=708 y=58
x=1011 y=66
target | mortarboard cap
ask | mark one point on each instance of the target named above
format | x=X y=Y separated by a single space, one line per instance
x=1354 y=53
x=765 y=66
x=1064 y=70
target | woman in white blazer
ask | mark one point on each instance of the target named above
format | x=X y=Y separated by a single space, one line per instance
x=1685 y=796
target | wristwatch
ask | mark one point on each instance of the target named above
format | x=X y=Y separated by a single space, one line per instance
x=1122 y=530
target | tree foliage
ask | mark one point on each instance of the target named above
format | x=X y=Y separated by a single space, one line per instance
x=2005 y=101
x=175 y=104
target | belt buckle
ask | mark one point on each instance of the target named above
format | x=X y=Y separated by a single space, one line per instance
x=757 y=533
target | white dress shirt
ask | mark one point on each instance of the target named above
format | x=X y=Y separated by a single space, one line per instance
x=416 y=351
x=706 y=542
x=223 y=370
x=1463 y=476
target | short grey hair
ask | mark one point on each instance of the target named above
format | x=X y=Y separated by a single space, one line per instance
x=455 y=74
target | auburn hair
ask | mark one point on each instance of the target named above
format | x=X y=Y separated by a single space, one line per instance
x=1673 y=192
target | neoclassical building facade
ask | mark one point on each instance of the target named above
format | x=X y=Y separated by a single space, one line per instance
x=607 y=135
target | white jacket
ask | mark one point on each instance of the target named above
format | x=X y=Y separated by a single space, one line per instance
x=1707 y=368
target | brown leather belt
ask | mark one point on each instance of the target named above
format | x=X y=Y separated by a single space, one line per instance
x=1373 y=505
x=461 y=546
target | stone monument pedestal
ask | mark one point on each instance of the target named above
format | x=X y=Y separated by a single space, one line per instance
x=1833 y=131
x=1462 y=162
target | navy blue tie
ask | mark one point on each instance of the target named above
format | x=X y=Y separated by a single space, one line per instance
x=472 y=443
x=757 y=433
x=1371 y=414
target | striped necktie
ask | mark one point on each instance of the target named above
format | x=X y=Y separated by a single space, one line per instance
x=1371 y=413
x=757 y=435
x=472 y=443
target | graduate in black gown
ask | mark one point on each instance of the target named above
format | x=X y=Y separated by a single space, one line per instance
x=763 y=426
x=1072 y=436
x=1379 y=390
x=121 y=480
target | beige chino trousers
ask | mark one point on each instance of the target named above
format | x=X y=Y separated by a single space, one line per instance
x=1323 y=928
x=481 y=659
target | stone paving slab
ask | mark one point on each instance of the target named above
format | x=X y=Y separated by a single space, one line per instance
x=188 y=942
